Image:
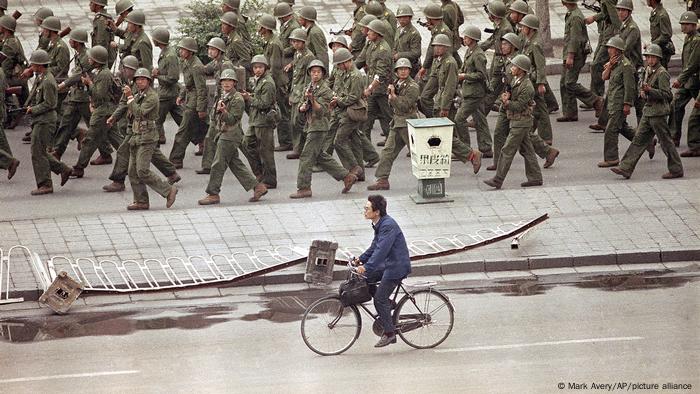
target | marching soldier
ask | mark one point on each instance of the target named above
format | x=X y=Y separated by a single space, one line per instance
x=407 y=43
x=229 y=113
x=656 y=90
x=661 y=30
x=518 y=9
x=100 y=87
x=14 y=60
x=42 y=107
x=237 y=50
x=283 y=12
x=518 y=107
x=608 y=27
x=302 y=58
x=39 y=16
x=194 y=97
x=142 y=113
x=123 y=8
x=433 y=13
x=629 y=32
x=453 y=18
x=168 y=74
x=273 y=50
x=234 y=6
x=497 y=15
x=576 y=49
x=376 y=9
x=59 y=54
x=403 y=97
x=336 y=83
x=259 y=139
x=687 y=83
x=141 y=46
x=316 y=40
x=316 y=110
x=7 y=161
x=102 y=32
x=357 y=39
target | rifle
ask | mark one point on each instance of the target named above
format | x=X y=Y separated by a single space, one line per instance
x=489 y=30
x=16 y=110
x=16 y=90
x=309 y=103
x=342 y=29
x=424 y=24
x=65 y=32
x=16 y=14
x=591 y=6
x=643 y=77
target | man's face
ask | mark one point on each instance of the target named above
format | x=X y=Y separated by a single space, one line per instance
x=373 y=36
x=38 y=21
x=316 y=74
x=439 y=50
x=303 y=21
x=516 y=71
x=467 y=41
x=516 y=16
x=226 y=29
x=213 y=53
x=335 y=46
x=37 y=68
x=185 y=53
x=228 y=84
x=369 y=213
x=142 y=83
x=128 y=72
x=365 y=31
x=403 y=72
x=526 y=30
x=506 y=47
x=297 y=44
x=623 y=14
x=225 y=8
x=259 y=69
x=652 y=61
x=132 y=27
x=45 y=33
x=94 y=7
x=688 y=28
x=612 y=52
x=345 y=66
x=404 y=20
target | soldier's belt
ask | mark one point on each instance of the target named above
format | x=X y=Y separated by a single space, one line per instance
x=140 y=126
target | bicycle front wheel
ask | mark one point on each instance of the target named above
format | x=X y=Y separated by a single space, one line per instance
x=328 y=328
x=424 y=318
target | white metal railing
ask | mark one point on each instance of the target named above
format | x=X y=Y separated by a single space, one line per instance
x=42 y=276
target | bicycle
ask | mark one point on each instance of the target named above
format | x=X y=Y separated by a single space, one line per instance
x=423 y=317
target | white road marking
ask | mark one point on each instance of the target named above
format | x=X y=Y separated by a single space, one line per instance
x=77 y=375
x=550 y=343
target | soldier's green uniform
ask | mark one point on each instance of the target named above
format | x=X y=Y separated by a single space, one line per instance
x=377 y=67
x=694 y=128
x=259 y=139
x=43 y=100
x=300 y=82
x=407 y=44
x=576 y=42
x=608 y=26
x=357 y=39
x=127 y=41
x=621 y=90
x=142 y=49
x=194 y=95
x=99 y=132
x=497 y=69
x=629 y=31
x=426 y=103
x=274 y=53
x=284 y=128
x=60 y=63
x=168 y=88
x=404 y=107
x=661 y=32
x=538 y=75
x=102 y=35
x=212 y=69
x=348 y=144
x=452 y=17
x=690 y=86
x=6 y=157
x=654 y=122
x=317 y=44
x=502 y=128
x=286 y=28
x=474 y=88
x=237 y=50
x=143 y=112
x=14 y=64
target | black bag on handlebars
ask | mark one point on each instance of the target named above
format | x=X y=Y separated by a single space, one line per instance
x=354 y=291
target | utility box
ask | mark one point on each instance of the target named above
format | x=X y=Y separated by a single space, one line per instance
x=430 y=142
x=61 y=294
x=319 y=265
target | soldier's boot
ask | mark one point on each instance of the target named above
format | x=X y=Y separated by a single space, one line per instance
x=27 y=139
x=359 y=173
x=494 y=182
x=620 y=171
x=210 y=199
x=475 y=158
x=348 y=181
x=691 y=153
x=672 y=175
x=596 y=127
x=651 y=148
x=65 y=175
x=114 y=187
x=171 y=197
x=551 y=156
x=293 y=156
x=382 y=142
x=77 y=172
x=380 y=184
x=598 y=105
x=608 y=163
x=259 y=191
x=174 y=178
x=42 y=190
x=12 y=169
x=200 y=149
x=301 y=193
x=101 y=160
x=492 y=167
x=567 y=118
x=137 y=206
x=531 y=183
x=203 y=171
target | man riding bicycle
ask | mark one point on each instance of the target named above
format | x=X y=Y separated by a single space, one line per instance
x=386 y=261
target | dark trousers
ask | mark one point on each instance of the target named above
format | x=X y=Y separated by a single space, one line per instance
x=382 y=303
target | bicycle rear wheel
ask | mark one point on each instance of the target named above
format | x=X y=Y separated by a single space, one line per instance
x=424 y=319
x=328 y=328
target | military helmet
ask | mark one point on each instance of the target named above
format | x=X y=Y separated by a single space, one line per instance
x=233 y=3
x=442 y=40
x=366 y=20
x=122 y=6
x=79 y=35
x=98 y=53
x=404 y=10
x=653 y=50
x=282 y=9
x=570 y=1
x=374 y=8
x=230 y=18
x=268 y=21
x=625 y=5
x=342 y=55
x=520 y=7
x=290 y=2
x=378 y=27
x=161 y=35
x=43 y=13
x=496 y=8
x=513 y=39
x=39 y=57
x=338 y=40
x=188 y=43
x=298 y=34
x=51 y=23
x=103 y=3
x=308 y=12
x=136 y=17
x=472 y=32
x=531 y=21
x=689 y=17
x=403 y=62
x=315 y=63
x=260 y=59
x=616 y=42
x=130 y=61
x=143 y=73
x=228 y=74
x=8 y=22
x=522 y=62
x=218 y=43
x=432 y=11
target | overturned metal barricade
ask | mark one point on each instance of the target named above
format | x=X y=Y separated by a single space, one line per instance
x=6 y=262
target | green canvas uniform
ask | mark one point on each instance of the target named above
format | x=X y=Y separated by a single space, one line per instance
x=694 y=128
x=497 y=69
x=317 y=125
x=60 y=63
x=102 y=35
x=690 y=86
x=317 y=44
x=300 y=82
x=357 y=39
x=429 y=89
x=43 y=103
x=127 y=41
x=474 y=88
x=404 y=107
x=661 y=32
x=542 y=130
x=653 y=122
x=5 y=151
x=213 y=69
x=335 y=81
x=502 y=128
x=452 y=16
x=407 y=44
x=348 y=144
x=14 y=63
x=76 y=105
x=629 y=32
x=284 y=128
x=237 y=51
x=377 y=66
x=142 y=49
x=608 y=26
x=621 y=91
x=168 y=88
x=274 y=53
x=259 y=140
x=575 y=41
x=192 y=128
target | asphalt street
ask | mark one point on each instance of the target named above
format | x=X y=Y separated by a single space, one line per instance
x=510 y=335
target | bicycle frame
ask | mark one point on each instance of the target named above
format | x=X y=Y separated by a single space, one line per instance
x=394 y=301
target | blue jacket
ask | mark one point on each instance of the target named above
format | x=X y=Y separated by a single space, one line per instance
x=388 y=252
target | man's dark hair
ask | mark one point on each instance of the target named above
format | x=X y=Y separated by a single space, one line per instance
x=378 y=203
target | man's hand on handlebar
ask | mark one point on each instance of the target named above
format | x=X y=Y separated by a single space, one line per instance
x=355 y=262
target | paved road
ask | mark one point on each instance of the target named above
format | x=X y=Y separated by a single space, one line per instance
x=511 y=335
